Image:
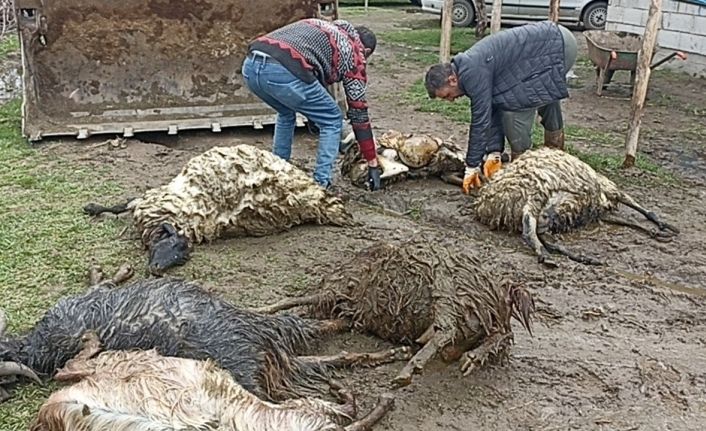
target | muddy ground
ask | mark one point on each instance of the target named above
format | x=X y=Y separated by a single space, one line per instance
x=621 y=347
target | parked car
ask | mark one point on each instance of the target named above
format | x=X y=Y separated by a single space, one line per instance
x=591 y=14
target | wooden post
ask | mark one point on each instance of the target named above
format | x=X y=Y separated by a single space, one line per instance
x=495 y=16
x=366 y=6
x=446 y=24
x=644 y=58
x=554 y=10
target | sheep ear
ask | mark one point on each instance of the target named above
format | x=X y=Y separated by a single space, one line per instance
x=3 y=322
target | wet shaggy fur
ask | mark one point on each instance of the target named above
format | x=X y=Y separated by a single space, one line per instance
x=176 y=318
x=426 y=291
x=550 y=191
x=142 y=390
x=241 y=190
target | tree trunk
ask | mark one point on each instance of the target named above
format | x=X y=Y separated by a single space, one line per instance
x=554 y=10
x=446 y=24
x=637 y=106
x=495 y=18
x=481 y=18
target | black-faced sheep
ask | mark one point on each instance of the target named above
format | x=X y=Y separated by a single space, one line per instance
x=550 y=191
x=142 y=390
x=407 y=156
x=179 y=318
x=239 y=190
x=433 y=293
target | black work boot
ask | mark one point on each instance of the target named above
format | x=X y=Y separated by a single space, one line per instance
x=554 y=139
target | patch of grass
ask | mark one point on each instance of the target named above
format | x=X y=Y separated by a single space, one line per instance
x=607 y=163
x=9 y=44
x=430 y=38
x=46 y=241
x=458 y=111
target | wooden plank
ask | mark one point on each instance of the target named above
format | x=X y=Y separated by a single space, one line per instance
x=637 y=106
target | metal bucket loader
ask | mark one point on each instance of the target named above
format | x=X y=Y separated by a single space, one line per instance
x=129 y=66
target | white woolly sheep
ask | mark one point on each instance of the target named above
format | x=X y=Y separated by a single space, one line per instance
x=550 y=191
x=238 y=190
x=142 y=390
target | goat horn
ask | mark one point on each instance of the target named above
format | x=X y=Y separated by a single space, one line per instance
x=16 y=369
x=3 y=322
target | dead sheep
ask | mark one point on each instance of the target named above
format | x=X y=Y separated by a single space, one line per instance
x=143 y=390
x=407 y=156
x=179 y=318
x=426 y=292
x=238 y=190
x=550 y=191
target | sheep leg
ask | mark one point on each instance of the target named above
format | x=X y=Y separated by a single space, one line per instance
x=349 y=406
x=556 y=248
x=123 y=274
x=417 y=363
x=617 y=220
x=75 y=368
x=384 y=404
x=452 y=179
x=529 y=234
x=649 y=215
x=93 y=209
x=346 y=359
x=95 y=275
x=288 y=303
x=4 y=395
x=333 y=326
x=492 y=346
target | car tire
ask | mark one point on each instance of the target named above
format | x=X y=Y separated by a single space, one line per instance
x=416 y=2
x=463 y=13
x=594 y=16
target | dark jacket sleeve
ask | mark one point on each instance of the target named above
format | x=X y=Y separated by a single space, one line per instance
x=479 y=88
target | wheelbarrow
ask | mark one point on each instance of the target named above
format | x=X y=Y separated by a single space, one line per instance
x=617 y=50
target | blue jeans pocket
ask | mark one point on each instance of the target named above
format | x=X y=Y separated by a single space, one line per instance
x=290 y=93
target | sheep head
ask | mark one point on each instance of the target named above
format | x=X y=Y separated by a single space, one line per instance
x=167 y=250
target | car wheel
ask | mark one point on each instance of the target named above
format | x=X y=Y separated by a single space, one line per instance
x=416 y=2
x=463 y=13
x=594 y=16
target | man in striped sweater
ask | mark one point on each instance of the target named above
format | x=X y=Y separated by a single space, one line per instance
x=289 y=68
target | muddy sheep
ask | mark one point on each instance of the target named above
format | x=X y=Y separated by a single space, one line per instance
x=143 y=390
x=424 y=291
x=179 y=318
x=238 y=190
x=550 y=191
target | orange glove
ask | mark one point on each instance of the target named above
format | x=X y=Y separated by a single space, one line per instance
x=493 y=163
x=471 y=179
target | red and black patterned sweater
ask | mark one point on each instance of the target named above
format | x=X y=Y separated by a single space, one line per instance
x=314 y=49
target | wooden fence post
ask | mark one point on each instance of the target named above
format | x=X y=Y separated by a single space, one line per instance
x=446 y=24
x=495 y=16
x=637 y=106
x=554 y=10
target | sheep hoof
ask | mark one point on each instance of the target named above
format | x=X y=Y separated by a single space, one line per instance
x=95 y=275
x=548 y=262
x=402 y=380
x=124 y=273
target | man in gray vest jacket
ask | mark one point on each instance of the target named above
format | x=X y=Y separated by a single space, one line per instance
x=508 y=76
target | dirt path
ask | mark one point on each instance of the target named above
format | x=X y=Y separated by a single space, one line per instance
x=617 y=348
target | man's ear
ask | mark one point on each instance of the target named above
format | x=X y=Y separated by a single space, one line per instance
x=367 y=52
x=453 y=80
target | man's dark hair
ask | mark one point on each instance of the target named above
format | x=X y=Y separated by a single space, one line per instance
x=437 y=77
x=367 y=37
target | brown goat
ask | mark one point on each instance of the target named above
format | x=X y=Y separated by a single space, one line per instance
x=422 y=291
x=141 y=390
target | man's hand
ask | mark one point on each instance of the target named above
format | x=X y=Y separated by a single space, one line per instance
x=374 y=177
x=471 y=179
x=493 y=163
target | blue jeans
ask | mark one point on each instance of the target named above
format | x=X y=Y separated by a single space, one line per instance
x=287 y=94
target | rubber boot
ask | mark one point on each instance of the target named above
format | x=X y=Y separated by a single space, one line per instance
x=515 y=155
x=554 y=139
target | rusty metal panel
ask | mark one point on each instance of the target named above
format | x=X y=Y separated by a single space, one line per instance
x=126 y=66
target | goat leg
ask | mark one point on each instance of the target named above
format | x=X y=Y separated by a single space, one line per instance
x=95 y=275
x=288 y=303
x=384 y=404
x=617 y=220
x=417 y=363
x=349 y=407
x=556 y=248
x=649 y=215
x=346 y=359
x=492 y=346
